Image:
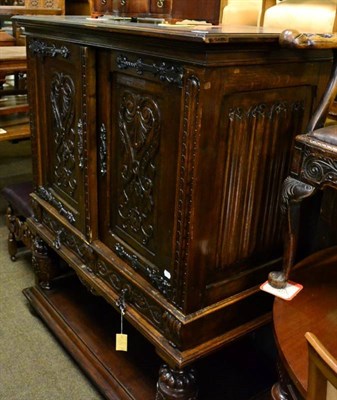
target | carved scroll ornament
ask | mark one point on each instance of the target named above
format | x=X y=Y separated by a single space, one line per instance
x=43 y=49
x=166 y=72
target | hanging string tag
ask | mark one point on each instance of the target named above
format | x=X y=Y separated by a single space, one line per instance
x=121 y=338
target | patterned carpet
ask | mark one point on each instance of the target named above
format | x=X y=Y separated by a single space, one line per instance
x=33 y=365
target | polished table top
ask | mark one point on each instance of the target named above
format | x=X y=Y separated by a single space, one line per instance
x=207 y=33
x=314 y=310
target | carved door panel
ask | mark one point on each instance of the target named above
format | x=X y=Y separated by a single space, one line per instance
x=63 y=95
x=256 y=131
x=138 y=162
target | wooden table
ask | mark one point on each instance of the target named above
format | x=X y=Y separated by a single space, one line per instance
x=13 y=60
x=314 y=310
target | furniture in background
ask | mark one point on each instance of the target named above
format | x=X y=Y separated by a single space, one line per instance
x=245 y=12
x=209 y=10
x=313 y=172
x=14 y=122
x=27 y=7
x=6 y=39
x=302 y=15
x=162 y=145
x=19 y=209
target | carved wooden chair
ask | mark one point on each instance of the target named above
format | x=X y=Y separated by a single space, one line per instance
x=314 y=159
x=313 y=171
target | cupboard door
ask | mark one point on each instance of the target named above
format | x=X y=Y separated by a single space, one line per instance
x=64 y=93
x=139 y=129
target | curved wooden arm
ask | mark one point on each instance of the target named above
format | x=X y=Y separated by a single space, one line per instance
x=322 y=352
x=302 y=40
x=323 y=41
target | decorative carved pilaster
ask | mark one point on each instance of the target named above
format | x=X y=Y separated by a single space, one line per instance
x=176 y=384
x=83 y=135
x=102 y=150
x=186 y=184
x=43 y=266
x=80 y=143
x=172 y=329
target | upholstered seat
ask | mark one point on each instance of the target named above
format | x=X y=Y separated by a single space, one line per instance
x=303 y=15
x=18 y=196
x=327 y=134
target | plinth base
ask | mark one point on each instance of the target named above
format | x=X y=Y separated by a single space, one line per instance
x=86 y=325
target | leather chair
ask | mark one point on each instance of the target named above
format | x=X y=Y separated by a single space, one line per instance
x=303 y=15
x=313 y=172
x=241 y=12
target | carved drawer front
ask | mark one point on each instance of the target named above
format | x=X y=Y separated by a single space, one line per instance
x=138 y=165
x=63 y=96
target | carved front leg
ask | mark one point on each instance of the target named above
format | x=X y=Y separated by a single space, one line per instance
x=11 y=241
x=12 y=246
x=45 y=270
x=176 y=384
x=293 y=192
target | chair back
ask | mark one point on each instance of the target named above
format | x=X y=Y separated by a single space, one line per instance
x=304 y=15
x=322 y=374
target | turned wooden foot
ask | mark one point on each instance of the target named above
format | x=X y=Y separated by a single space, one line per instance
x=12 y=246
x=176 y=384
x=278 y=393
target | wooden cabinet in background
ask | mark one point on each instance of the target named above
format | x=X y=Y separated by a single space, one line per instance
x=159 y=156
x=206 y=10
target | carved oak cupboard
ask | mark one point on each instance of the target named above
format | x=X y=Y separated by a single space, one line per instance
x=159 y=155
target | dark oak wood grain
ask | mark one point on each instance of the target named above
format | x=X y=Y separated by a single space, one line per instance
x=159 y=155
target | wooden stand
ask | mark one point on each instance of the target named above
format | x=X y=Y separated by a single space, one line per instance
x=86 y=325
